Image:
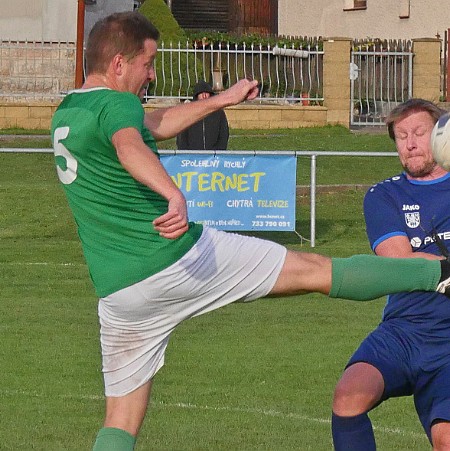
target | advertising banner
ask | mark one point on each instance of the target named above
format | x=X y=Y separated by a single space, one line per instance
x=237 y=192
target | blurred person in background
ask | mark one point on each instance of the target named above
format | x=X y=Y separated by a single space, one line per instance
x=210 y=133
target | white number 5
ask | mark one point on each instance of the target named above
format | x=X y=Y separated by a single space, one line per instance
x=68 y=175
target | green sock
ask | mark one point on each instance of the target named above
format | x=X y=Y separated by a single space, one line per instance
x=366 y=277
x=113 y=439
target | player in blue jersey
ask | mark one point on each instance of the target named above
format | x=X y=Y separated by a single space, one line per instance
x=406 y=215
x=152 y=268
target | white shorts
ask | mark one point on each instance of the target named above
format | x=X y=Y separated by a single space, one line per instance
x=136 y=322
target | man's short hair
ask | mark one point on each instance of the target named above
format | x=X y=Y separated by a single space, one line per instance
x=119 y=33
x=412 y=106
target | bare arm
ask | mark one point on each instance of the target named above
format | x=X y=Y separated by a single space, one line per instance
x=168 y=122
x=400 y=247
x=144 y=166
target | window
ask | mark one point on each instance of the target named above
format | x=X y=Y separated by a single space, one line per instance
x=404 y=9
x=351 y=5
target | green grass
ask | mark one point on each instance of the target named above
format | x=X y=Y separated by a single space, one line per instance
x=23 y=131
x=247 y=377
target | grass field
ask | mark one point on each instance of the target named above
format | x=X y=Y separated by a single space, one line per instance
x=247 y=377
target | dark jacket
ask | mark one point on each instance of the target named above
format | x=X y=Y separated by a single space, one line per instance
x=211 y=133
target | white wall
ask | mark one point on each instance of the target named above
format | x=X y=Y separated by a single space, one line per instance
x=380 y=20
x=38 y=20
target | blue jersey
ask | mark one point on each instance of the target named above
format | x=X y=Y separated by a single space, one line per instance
x=414 y=209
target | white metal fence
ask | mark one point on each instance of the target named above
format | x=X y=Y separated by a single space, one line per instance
x=381 y=78
x=46 y=70
x=380 y=72
x=286 y=74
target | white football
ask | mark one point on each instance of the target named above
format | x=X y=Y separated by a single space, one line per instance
x=440 y=141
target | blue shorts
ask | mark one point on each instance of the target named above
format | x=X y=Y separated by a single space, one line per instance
x=403 y=358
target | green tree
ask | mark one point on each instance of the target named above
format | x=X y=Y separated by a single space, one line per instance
x=160 y=15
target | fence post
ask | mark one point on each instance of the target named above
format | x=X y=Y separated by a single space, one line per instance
x=79 y=58
x=447 y=65
x=427 y=69
x=336 y=80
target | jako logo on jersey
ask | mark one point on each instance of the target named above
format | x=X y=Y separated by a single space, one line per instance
x=416 y=242
x=412 y=220
x=410 y=207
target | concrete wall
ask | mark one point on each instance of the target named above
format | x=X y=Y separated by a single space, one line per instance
x=38 y=20
x=273 y=116
x=427 y=18
x=336 y=82
x=37 y=116
x=426 y=73
x=33 y=117
x=30 y=71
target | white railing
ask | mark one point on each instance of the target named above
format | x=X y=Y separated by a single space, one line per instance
x=381 y=78
x=286 y=74
x=46 y=70
x=380 y=73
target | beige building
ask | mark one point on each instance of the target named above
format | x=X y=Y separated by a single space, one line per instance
x=385 y=19
x=51 y=20
x=39 y=61
x=38 y=20
x=55 y=20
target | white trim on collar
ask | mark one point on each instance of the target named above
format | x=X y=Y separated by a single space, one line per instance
x=83 y=90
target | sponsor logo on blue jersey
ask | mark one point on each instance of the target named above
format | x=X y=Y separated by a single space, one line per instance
x=410 y=207
x=412 y=220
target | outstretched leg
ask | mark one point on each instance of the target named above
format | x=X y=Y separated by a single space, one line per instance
x=359 y=278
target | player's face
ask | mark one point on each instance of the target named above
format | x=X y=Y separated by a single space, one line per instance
x=203 y=95
x=412 y=138
x=139 y=71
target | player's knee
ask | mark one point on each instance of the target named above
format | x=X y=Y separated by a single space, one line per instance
x=307 y=272
x=348 y=402
x=342 y=401
x=440 y=434
x=442 y=444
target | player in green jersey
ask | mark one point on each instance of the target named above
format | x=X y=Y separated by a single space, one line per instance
x=150 y=266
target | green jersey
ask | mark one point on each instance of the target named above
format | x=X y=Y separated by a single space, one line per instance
x=112 y=210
